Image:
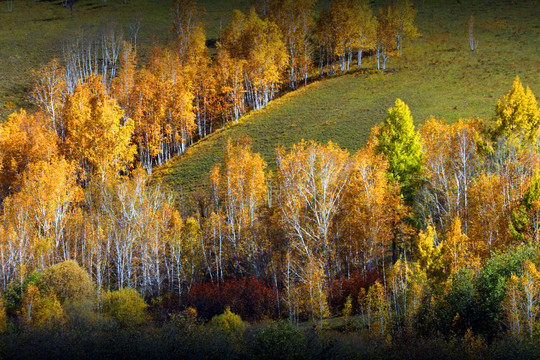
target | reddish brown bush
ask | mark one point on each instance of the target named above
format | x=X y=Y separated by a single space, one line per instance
x=339 y=289
x=251 y=298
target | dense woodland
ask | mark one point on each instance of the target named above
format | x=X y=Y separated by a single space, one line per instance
x=431 y=232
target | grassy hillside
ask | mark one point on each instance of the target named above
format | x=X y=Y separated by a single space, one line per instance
x=33 y=33
x=436 y=76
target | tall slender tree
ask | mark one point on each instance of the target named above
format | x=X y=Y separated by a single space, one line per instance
x=401 y=144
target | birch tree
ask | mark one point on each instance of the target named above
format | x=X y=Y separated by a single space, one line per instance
x=367 y=30
x=24 y=139
x=372 y=208
x=243 y=191
x=530 y=283
x=295 y=21
x=312 y=181
x=385 y=45
x=51 y=192
x=452 y=161
x=48 y=91
x=96 y=134
x=260 y=45
x=402 y=13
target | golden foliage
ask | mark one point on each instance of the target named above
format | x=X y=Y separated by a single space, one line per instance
x=41 y=311
x=430 y=259
x=24 y=139
x=125 y=305
x=70 y=282
x=518 y=112
x=97 y=135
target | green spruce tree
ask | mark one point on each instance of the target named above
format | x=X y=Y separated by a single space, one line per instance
x=401 y=144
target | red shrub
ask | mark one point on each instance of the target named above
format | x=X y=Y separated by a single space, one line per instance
x=251 y=298
x=339 y=289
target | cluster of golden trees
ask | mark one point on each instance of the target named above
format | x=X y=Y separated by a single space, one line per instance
x=64 y=190
x=349 y=26
x=181 y=93
x=324 y=214
x=473 y=187
x=68 y=190
x=64 y=293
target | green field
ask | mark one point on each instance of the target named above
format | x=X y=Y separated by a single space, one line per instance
x=437 y=76
x=34 y=32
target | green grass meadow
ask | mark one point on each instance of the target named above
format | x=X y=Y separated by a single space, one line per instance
x=438 y=75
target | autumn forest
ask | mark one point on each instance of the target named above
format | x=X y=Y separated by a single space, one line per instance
x=423 y=241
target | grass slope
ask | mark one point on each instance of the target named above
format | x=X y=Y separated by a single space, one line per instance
x=436 y=76
x=33 y=33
